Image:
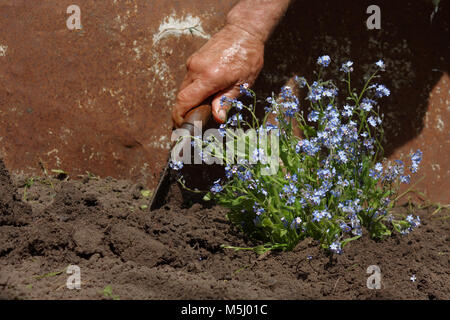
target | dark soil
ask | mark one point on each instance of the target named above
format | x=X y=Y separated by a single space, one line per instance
x=175 y=253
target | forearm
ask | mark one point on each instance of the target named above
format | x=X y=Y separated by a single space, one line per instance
x=257 y=17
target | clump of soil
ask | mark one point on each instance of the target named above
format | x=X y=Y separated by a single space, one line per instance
x=12 y=211
x=102 y=226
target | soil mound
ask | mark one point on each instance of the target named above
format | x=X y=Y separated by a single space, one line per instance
x=103 y=226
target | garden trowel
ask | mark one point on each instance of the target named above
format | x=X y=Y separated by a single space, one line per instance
x=199 y=117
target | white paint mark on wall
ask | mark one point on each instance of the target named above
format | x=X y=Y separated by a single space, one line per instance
x=163 y=143
x=137 y=50
x=162 y=75
x=160 y=67
x=173 y=26
x=58 y=161
x=3 y=49
x=435 y=166
x=440 y=123
x=52 y=151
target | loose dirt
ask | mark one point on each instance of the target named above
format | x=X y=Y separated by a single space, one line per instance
x=126 y=252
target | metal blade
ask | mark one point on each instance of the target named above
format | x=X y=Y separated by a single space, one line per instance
x=161 y=191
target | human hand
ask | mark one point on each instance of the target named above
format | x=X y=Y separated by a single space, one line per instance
x=229 y=59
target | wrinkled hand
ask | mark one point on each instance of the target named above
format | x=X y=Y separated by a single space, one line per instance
x=229 y=59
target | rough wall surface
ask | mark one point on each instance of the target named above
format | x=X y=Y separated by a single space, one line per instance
x=98 y=99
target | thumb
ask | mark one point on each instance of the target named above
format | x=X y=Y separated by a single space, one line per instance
x=190 y=97
x=219 y=110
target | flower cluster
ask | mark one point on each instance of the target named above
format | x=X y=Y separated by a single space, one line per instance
x=333 y=183
x=324 y=61
x=176 y=165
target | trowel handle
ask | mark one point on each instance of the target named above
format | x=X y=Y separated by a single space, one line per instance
x=201 y=113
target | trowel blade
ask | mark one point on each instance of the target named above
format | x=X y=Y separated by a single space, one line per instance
x=162 y=188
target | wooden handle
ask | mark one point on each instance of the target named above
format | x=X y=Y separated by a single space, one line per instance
x=201 y=114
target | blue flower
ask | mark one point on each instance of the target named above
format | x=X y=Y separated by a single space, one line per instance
x=176 y=165
x=416 y=158
x=335 y=193
x=345 y=227
x=373 y=174
x=342 y=156
x=382 y=91
x=270 y=126
x=245 y=175
x=371 y=120
x=290 y=189
x=310 y=146
x=230 y=171
x=223 y=99
x=342 y=182
x=233 y=120
x=335 y=247
x=380 y=64
x=380 y=213
x=257 y=209
x=393 y=172
x=291 y=200
x=357 y=231
x=319 y=215
x=291 y=177
x=377 y=172
x=313 y=116
x=347 y=66
x=378 y=167
x=405 y=179
x=222 y=129
x=330 y=92
x=324 y=61
x=316 y=91
x=368 y=143
x=326 y=174
x=258 y=155
x=414 y=222
x=239 y=105
x=243 y=89
x=367 y=104
x=290 y=108
x=296 y=223
x=216 y=187
x=348 y=111
x=301 y=82
x=351 y=207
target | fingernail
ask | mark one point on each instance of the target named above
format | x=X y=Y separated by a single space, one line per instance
x=222 y=114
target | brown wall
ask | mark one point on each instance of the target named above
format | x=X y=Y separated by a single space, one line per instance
x=98 y=99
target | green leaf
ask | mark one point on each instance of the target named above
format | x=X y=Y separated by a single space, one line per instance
x=59 y=171
x=146 y=193
x=236 y=202
x=343 y=243
x=107 y=291
x=379 y=230
x=207 y=197
x=261 y=249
